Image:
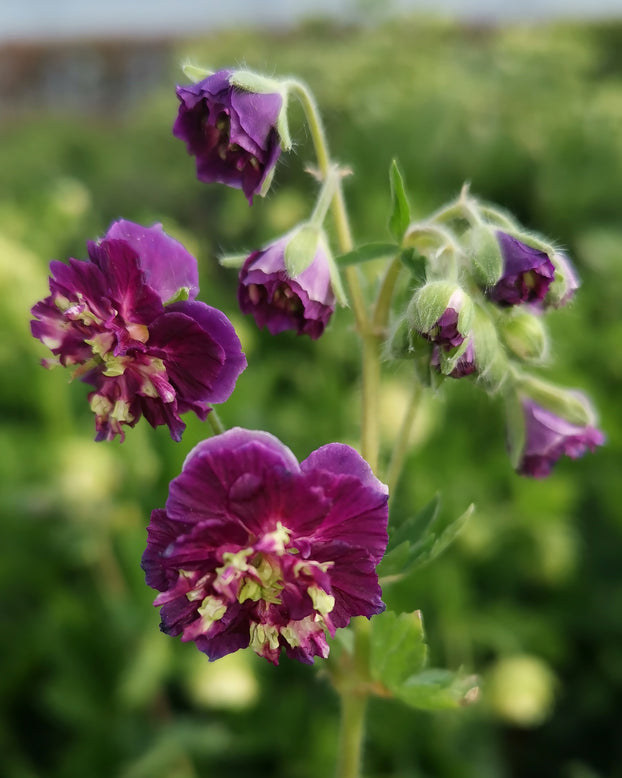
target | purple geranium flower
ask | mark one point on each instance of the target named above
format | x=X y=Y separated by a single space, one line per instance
x=107 y=318
x=304 y=303
x=256 y=549
x=549 y=436
x=231 y=132
x=526 y=276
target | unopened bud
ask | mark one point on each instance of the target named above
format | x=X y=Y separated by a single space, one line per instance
x=442 y=312
x=524 y=334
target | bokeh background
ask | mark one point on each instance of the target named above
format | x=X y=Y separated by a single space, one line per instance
x=530 y=595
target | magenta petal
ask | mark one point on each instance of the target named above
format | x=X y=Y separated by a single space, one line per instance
x=167 y=265
x=213 y=469
x=340 y=459
x=527 y=273
x=549 y=436
x=214 y=322
x=133 y=300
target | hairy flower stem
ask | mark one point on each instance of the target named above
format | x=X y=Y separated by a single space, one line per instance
x=352 y=692
x=215 y=423
x=401 y=446
x=338 y=207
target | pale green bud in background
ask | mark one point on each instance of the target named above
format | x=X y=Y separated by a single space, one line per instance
x=525 y=335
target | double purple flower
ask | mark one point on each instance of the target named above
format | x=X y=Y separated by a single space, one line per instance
x=255 y=549
x=107 y=318
x=549 y=436
x=277 y=301
x=526 y=276
x=231 y=132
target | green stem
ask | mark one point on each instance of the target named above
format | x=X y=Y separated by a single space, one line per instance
x=215 y=423
x=353 y=709
x=352 y=691
x=340 y=215
x=402 y=443
x=380 y=318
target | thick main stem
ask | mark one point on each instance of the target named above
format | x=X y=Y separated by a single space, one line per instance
x=352 y=691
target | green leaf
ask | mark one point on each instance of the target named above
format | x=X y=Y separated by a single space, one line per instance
x=400 y=209
x=419 y=540
x=301 y=250
x=397 y=646
x=368 y=252
x=436 y=689
x=415 y=526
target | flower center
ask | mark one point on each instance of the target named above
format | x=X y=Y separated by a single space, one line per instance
x=270 y=579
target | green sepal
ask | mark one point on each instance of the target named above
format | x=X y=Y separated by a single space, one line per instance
x=419 y=540
x=368 y=252
x=430 y=301
x=335 y=276
x=485 y=255
x=397 y=647
x=490 y=356
x=234 y=261
x=183 y=293
x=301 y=249
x=195 y=73
x=262 y=85
x=256 y=83
x=572 y=406
x=282 y=124
x=267 y=182
x=400 y=208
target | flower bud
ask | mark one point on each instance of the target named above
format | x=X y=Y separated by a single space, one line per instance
x=545 y=422
x=442 y=313
x=526 y=275
x=525 y=335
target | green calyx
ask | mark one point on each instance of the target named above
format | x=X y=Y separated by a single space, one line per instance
x=263 y=85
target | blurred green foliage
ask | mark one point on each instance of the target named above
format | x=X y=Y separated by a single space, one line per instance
x=530 y=596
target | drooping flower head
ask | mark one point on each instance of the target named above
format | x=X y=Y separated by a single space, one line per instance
x=232 y=132
x=549 y=436
x=255 y=549
x=277 y=301
x=526 y=276
x=107 y=318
